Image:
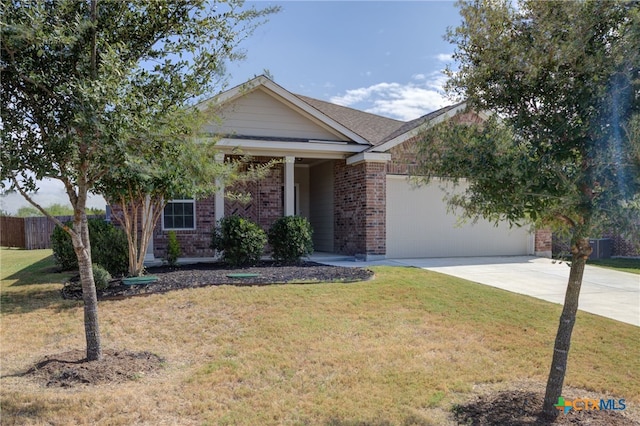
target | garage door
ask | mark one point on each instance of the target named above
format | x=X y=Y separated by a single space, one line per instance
x=418 y=225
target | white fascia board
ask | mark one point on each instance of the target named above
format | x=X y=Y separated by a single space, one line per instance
x=288 y=148
x=369 y=157
x=416 y=130
x=233 y=93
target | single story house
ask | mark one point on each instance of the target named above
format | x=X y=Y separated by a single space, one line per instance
x=343 y=169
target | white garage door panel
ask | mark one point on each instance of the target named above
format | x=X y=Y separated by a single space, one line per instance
x=418 y=225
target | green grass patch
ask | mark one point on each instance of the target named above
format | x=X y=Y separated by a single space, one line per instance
x=620 y=264
x=29 y=267
x=29 y=279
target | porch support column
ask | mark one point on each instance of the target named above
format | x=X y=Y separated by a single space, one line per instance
x=371 y=227
x=219 y=195
x=289 y=186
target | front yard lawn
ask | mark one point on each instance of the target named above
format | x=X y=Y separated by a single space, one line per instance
x=407 y=347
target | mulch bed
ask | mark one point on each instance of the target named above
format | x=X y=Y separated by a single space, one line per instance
x=71 y=369
x=207 y=274
x=522 y=407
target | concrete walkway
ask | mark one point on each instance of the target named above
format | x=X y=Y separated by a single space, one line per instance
x=604 y=292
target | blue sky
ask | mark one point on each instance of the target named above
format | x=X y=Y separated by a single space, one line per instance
x=383 y=57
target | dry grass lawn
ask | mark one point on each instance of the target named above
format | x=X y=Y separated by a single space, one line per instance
x=400 y=349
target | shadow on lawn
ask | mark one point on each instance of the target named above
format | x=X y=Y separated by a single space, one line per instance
x=44 y=271
x=33 y=299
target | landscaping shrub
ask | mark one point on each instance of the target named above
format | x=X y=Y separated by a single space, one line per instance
x=290 y=239
x=63 y=252
x=108 y=247
x=173 y=249
x=101 y=276
x=240 y=241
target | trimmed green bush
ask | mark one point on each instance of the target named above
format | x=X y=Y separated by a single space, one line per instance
x=290 y=239
x=240 y=241
x=173 y=248
x=63 y=252
x=101 y=277
x=108 y=247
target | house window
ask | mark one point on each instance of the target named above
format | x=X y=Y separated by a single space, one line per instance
x=179 y=214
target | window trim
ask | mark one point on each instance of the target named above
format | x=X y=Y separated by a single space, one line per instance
x=191 y=201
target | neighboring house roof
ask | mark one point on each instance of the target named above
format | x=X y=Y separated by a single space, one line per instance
x=371 y=127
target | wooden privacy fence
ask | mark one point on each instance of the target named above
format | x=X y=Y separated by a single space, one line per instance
x=30 y=232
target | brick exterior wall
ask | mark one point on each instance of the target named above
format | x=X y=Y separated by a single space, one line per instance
x=193 y=243
x=360 y=209
x=403 y=158
x=266 y=203
x=265 y=207
x=543 y=244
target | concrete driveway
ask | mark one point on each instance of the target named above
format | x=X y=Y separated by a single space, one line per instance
x=604 y=292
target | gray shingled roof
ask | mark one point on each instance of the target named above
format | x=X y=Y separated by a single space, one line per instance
x=410 y=125
x=374 y=128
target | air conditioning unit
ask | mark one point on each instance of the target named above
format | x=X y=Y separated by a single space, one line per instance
x=602 y=248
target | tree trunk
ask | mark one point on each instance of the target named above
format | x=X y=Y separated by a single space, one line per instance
x=82 y=247
x=580 y=252
x=150 y=215
x=143 y=211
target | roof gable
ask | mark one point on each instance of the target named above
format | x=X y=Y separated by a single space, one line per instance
x=287 y=106
x=259 y=114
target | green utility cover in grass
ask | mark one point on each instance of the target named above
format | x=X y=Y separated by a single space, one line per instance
x=147 y=279
x=243 y=275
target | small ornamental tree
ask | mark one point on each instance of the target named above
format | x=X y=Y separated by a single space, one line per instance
x=173 y=165
x=562 y=147
x=173 y=248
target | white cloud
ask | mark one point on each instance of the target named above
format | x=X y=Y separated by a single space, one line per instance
x=50 y=192
x=444 y=57
x=405 y=101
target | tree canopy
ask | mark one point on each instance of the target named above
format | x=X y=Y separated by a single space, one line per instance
x=54 y=210
x=84 y=81
x=561 y=82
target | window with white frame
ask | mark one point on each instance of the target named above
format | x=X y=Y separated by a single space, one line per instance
x=179 y=214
